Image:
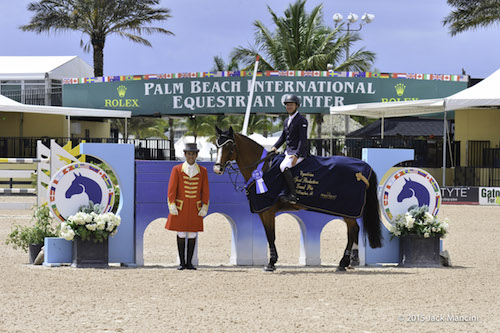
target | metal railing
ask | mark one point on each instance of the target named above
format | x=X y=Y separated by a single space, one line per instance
x=145 y=149
x=41 y=96
x=428 y=153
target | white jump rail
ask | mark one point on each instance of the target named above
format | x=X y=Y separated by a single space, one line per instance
x=17 y=174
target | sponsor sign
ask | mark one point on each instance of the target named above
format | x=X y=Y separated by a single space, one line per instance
x=408 y=187
x=460 y=195
x=75 y=185
x=489 y=195
x=210 y=93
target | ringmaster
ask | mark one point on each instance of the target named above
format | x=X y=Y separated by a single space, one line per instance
x=295 y=135
x=188 y=199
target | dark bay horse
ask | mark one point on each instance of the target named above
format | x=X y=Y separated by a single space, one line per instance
x=247 y=153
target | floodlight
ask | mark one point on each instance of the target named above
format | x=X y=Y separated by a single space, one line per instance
x=367 y=17
x=352 y=18
x=337 y=18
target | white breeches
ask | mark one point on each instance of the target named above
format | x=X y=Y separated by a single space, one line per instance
x=287 y=161
x=182 y=234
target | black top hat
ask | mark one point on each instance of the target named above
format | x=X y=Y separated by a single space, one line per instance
x=191 y=147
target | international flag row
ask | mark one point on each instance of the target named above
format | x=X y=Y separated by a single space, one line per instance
x=192 y=75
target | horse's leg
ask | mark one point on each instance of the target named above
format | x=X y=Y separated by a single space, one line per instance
x=268 y=220
x=352 y=238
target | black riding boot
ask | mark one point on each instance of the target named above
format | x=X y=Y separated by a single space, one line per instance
x=191 y=244
x=181 y=247
x=292 y=195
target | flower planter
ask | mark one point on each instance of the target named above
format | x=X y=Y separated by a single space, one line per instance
x=418 y=251
x=89 y=254
x=33 y=251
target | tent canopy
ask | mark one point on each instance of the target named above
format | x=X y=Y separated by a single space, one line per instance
x=483 y=94
x=9 y=105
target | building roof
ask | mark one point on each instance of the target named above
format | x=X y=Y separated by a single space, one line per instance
x=404 y=126
x=37 y=67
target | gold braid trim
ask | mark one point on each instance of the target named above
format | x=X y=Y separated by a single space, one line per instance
x=359 y=176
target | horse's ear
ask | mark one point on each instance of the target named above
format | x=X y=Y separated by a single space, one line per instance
x=231 y=132
x=218 y=130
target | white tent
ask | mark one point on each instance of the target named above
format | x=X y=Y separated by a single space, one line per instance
x=9 y=105
x=43 y=67
x=207 y=149
x=484 y=94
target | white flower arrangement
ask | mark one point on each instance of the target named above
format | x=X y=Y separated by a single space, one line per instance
x=418 y=221
x=89 y=224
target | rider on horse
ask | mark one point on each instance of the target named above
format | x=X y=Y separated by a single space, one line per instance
x=295 y=135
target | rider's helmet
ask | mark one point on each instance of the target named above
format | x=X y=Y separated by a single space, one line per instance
x=292 y=99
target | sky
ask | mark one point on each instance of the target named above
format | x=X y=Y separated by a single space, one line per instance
x=406 y=36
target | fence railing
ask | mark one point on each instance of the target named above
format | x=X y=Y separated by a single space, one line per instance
x=428 y=153
x=145 y=149
x=41 y=96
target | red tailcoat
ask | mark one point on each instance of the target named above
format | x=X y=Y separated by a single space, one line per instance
x=189 y=195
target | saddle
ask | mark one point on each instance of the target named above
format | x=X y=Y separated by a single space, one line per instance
x=332 y=185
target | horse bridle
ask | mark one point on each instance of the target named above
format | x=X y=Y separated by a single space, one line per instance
x=221 y=142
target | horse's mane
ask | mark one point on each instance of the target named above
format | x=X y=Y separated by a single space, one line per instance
x=246 y=138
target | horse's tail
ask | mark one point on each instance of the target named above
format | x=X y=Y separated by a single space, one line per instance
x=371 y=213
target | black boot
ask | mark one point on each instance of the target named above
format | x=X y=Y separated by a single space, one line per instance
x=191 y=244
x=181 y=247
x=292 y=195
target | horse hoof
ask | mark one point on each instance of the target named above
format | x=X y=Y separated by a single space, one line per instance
x=354 y=262
x=269 y=269
x=340 y=269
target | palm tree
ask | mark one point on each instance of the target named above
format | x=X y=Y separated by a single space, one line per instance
x=220 y=65
x=98 y=19
x=198 y=126
x=471 y=14
x=300 y=41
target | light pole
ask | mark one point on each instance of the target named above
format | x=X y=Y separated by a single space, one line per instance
x=351 y=19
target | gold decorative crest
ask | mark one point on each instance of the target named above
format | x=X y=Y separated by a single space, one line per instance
x=121 y=91
x=400 y=89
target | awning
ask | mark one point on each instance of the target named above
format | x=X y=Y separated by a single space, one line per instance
x=9 y=105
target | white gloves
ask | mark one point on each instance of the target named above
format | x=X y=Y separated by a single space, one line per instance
x=173 y=209
x=203 y=211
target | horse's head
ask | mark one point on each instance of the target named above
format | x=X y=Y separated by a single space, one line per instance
x=226 y=149
x=76 y=186
x=407 y=190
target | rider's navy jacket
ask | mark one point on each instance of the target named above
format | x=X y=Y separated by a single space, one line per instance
x=295 y=136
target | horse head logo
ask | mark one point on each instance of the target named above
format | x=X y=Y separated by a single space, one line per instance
x=414 y=189
x=83 y=184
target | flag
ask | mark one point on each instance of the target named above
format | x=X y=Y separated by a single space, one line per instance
x=384 y=75
x=66 y=81
x=437 y=77
x=420 y=76
x=234 y=73
x=359 y=74
x=336 y=74
x=208 y=74
x=446 y=77
x=411 y=76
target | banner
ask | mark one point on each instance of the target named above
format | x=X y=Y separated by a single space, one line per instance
x=460 y=195
x=227 y=92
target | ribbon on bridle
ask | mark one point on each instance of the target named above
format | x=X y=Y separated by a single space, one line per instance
x=257 y=176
